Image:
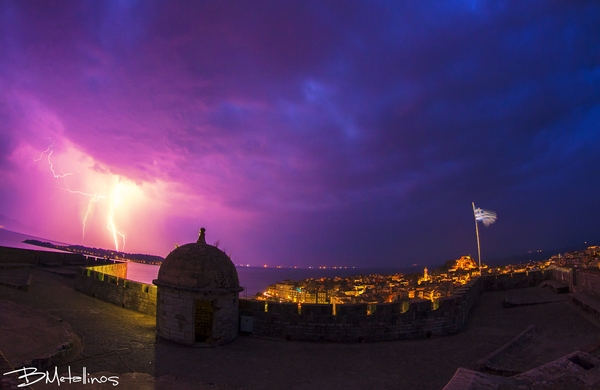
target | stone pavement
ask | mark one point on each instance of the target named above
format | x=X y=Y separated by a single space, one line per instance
x=30 y=337
x=575 y=371
x=120 y=342
x=535 y=296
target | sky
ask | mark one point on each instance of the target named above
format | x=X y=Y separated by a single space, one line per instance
x=302 y=133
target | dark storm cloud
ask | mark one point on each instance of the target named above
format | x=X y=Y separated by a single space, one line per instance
x=381 y=117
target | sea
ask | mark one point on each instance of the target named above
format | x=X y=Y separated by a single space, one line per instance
x=15 y=240
x=257 y=279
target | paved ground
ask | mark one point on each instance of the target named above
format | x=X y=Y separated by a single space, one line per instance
x=28 y=334
x=536 y=296
x=120 y=341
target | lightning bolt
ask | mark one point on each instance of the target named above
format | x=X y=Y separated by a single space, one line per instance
x=111 y=225
x=54 y=173
x=93 y=198
x=50 y=162
x=42 y=155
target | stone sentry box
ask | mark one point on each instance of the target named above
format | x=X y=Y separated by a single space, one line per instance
x=197 y=297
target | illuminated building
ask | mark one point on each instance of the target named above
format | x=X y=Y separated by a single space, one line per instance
x=464 y=263
x=425 y=278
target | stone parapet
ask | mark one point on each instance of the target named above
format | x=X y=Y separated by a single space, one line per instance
x=108 y=283
x=382 y=321
x=516 y=280
x=36 y=257
x=588 y=282
x=347 y=323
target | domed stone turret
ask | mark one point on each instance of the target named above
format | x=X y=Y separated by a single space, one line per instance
x=197 y=295
x=198 y=267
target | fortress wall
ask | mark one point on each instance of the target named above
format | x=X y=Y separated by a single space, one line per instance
x=515 y=280
x=467 y=297
x=19 y=255
x=104 y=282
x=318 y=322
x=116 y=269
x=588 y=282
x=565 y=275
x=388 y=321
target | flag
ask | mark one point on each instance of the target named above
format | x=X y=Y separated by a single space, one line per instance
x=486 y=216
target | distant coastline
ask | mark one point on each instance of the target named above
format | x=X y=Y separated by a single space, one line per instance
x=98 y=252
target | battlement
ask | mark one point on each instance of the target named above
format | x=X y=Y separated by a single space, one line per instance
x=381 y=321
x=361 y=322
x=109 y=283
x=516 y=280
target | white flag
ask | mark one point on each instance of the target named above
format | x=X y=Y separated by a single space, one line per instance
x=486 y=216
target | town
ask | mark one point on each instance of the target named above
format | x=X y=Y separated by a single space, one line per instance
x=440 y=283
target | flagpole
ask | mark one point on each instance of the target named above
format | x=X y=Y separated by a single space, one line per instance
x=477 y=231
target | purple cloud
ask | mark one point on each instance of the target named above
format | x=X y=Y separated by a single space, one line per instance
x=307 y=132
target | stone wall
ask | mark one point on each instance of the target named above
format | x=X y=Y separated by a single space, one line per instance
x=18 y=255
x=108 y=283
x=176 y=317
x=44 y=258
x=389 y=321
x=588 y=282
x=515 y=280
x=118 y=269
x=565 y=275
x=315 y=322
